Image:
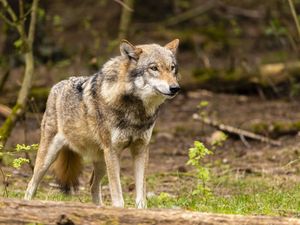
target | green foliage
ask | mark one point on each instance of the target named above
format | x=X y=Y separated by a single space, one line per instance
x=163 y=200
x=18 y=43
x=13 y=157
x=57 y=20
x=275 y=28
x=26 y=148
x=203 y=104
x=196 y=154
x=250 y=195
x=18 y=162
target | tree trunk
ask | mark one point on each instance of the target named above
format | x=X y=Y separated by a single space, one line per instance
x=125 y=19
x=46 y=212
x=20 y=106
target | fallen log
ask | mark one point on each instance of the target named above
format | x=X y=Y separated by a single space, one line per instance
x=276 y=128
x=236 y=131
x=13 y=211
x=274 y=77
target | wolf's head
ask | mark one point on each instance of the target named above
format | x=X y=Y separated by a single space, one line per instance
x=154 y=69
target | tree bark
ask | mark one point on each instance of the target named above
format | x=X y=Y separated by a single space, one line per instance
x=47 y=212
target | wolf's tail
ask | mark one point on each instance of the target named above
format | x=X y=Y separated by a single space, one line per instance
x=67 y=168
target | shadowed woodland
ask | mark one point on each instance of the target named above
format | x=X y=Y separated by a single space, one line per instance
x=228 y=143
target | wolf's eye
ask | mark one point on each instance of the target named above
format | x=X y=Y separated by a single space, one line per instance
x=154 y=68
x=173 y=67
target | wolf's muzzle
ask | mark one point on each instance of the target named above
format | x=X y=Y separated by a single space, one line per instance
x=174 y=89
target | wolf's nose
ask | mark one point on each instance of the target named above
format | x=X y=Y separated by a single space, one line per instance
x=174 y=89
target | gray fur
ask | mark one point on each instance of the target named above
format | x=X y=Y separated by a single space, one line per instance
x=109 y=111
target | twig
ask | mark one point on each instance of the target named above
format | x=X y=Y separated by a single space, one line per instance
x=124 y=5
x=295 y=17
x=21 y=13
x=245 y=142
x=6 y=20
x=32 y=24
x=236 y=131
x=10 y=11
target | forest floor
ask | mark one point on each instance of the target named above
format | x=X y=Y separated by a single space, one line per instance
x=254 y=179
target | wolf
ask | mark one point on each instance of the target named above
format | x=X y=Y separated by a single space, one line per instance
x=101 y=115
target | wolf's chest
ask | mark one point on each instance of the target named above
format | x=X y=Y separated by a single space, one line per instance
x=123 y=138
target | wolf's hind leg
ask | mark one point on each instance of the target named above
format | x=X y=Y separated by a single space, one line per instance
x=98 y=174
x=47 y=153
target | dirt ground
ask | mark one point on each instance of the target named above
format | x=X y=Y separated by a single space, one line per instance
x=176 y=131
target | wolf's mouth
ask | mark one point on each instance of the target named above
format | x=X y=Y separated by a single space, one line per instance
x=165 y=94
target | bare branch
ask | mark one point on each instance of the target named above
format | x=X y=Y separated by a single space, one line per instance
x=31 y=31
x=14 y=19
x=21 y=12
x=10 y=11
x=6 y=20
x=27 y=13
x=124 y=5
x=293 y=11
x=236 y=131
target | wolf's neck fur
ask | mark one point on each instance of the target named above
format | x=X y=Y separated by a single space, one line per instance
x=116 y=83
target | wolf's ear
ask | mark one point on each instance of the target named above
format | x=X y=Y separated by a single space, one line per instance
x=129 y=50
x=173 y=46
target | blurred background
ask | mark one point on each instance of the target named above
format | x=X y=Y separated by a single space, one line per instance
x=224 y=44
x=239 y=65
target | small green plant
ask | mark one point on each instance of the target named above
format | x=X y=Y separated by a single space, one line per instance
x=196 y=155
x=202 y=106
x=18 y=162
x=26 y=148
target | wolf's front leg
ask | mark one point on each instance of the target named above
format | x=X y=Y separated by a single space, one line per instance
x=140 y=156
x=112 y=160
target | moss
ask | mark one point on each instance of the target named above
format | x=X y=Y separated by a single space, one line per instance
x=296 y=125
x=276 y=128
x=8 y=125
x=40 y=93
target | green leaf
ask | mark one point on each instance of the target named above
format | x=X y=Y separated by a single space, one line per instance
x=17 y=163
x=18 y=43
x=203 y=104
